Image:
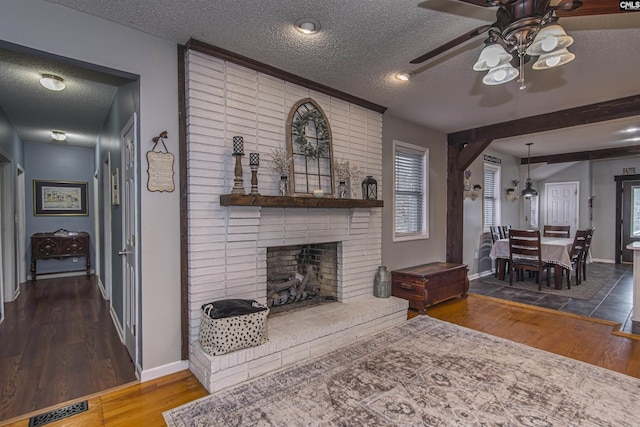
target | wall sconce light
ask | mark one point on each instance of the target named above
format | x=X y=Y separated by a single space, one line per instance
x=512 y=195
x=474 y=191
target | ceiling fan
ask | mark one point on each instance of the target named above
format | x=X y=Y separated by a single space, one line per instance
x=526 y=28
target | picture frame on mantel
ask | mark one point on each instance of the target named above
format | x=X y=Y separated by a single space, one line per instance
x=60 y=198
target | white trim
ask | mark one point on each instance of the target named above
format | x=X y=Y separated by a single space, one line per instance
x=61 y=274
x=606 y=261
x=101 y=287
x=423 y=151
x=116 y=323
x=161 y=371
x=480 y=274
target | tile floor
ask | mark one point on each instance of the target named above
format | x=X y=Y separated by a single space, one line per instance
x=613 y=302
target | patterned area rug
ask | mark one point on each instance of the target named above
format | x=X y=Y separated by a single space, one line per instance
x=425 y=372
x=597 y=277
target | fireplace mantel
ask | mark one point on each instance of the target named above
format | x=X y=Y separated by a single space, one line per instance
x=296 y=202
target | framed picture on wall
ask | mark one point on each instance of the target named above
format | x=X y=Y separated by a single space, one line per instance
x=60 y=198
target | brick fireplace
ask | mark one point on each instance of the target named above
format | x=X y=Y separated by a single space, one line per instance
x=228 y=246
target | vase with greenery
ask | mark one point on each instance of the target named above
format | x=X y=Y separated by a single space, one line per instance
x=280 y=162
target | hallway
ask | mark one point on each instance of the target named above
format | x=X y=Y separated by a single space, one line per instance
x=614 y=301
x=58 y=343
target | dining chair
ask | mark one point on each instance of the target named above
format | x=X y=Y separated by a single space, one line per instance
x=495 y=234
x=505 y=231
x=557 y=231
x=525 y=253
x=585 y=252
x=576 y=255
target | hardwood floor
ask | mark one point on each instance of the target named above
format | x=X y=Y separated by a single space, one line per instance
x=58 y=343
x=590 y=340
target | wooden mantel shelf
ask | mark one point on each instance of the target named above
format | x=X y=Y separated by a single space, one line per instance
x=296 y=202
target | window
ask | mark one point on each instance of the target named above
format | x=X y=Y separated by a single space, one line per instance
x=491 y=195
x=410 y=192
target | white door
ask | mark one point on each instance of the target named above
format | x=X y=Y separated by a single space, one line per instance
x=562 y=204
x=129 y=238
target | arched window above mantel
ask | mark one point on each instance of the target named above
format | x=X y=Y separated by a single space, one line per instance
x=309 y=144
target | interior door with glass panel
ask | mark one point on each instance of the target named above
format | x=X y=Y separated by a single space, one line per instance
x=630 y=217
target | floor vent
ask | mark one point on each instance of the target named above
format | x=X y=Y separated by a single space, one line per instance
x=58 y=414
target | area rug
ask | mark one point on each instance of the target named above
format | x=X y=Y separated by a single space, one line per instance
x=425 y=372
x=598 y=276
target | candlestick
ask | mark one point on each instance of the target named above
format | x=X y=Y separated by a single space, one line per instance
x=238 y=184
x=254 y=159
x=238 y=145
x=254 y=179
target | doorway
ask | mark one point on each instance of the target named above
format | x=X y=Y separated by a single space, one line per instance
x=562 y=204
x=630 y=230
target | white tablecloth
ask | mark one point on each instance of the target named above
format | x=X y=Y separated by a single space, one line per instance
x=555 y=250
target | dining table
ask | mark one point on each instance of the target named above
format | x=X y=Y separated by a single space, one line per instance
x=555 y=251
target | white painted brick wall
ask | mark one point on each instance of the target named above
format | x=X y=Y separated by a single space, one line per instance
x=227 y=245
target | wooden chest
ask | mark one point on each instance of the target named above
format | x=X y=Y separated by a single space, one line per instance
x=429 y=284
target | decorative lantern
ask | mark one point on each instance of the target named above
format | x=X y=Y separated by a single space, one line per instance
x=369 y=188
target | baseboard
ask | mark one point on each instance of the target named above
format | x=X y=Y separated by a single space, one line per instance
x=605 y=261
x=102 y=290
x=117 y=324
x=475 y=276
x=63 y=274
x=161 y=371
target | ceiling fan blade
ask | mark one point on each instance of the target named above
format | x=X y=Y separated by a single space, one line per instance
x=482 y=3
x=451 y=44
x=593 y=7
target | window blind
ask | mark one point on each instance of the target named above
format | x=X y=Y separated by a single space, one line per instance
x=409 y=192
x=489 y=197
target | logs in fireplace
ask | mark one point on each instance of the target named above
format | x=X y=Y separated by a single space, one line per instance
x=301 y=272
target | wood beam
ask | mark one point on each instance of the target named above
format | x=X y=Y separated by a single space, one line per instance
x=455 y=205
x=610 y=153
x=593 y=113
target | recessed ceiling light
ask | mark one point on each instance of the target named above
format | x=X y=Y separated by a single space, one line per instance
x=52 y=82
x=404 y=76
x=58 y=135
x=307 y=26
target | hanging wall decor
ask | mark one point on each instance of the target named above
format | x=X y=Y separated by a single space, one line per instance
x=309 y=144
x=160 y=169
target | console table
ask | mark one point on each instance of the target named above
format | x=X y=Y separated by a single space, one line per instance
x=428 y=284
x=60 y=245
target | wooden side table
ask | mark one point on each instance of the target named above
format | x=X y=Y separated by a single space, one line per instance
x=428 y=284
x=60 y=245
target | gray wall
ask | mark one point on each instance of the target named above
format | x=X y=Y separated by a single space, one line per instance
x=58 y=163
x=125 y=103
x=603 y=247
x=477 y=241
x=397 y=255
x=10 y=143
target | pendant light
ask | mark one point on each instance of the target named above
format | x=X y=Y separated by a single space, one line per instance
x=528 y=192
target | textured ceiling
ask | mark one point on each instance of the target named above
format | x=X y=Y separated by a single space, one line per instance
x=364 y=43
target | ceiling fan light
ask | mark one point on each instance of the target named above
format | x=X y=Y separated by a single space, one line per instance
x=493 y=55
x=52 y=82
x=553 y=59
x=58 y=135
x=548 y=39
x=499 y=75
